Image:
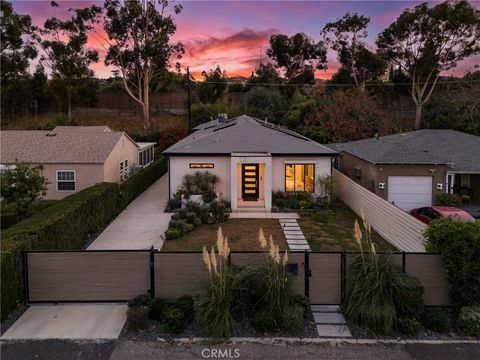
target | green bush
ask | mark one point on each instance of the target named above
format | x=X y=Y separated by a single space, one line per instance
x=188 y=227
x=264 y=321
x=301 y=300
x=137 y=184
x=187 y=305
x=408 y=326
x=469 y=320
x=172 y=233
x=209 y=196
x=449 y=200
x=137 y=317
x=293 y=201
x=292 y=318
x=140 y=300
x=434 y=319
x=174 y=321
x=459 y=244
x=156 y=309
x=9 y=216
x=190 y=218
x=408 y=296
x=218 y=210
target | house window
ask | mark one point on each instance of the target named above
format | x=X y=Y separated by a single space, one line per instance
x=201 y=166
x=299 y=177
x=66 y=180
x=462 y=180
x=124 y=170
x=145 y=157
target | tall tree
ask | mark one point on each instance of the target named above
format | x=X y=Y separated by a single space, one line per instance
x=215 y=84
x=426 y=41
x=265 y=75
x=66 y=52
x=298 y=56
x=140 y=32
x=346 y=36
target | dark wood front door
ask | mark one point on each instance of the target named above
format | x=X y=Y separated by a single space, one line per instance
x=250 y=182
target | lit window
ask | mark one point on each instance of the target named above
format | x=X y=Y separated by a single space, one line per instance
x=201 y=166
x=66 y=180
x=299 y=177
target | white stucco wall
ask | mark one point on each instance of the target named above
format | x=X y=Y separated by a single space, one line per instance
x=180 y=166
x=323 y=166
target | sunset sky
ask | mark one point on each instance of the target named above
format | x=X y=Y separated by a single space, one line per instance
x=234 y=34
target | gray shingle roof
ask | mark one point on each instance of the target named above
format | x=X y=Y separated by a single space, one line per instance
x=429 y=146
x=245 y=134
x=36 y=147
x=94 y=128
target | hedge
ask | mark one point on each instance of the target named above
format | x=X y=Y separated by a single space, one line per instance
x=10 y=216
x=67 y=224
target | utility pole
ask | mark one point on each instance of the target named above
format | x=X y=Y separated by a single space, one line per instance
x=189 y=103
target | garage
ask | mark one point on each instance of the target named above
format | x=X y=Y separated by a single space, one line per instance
x=409 y=192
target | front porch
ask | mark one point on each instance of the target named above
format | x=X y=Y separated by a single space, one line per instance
x=467 y=186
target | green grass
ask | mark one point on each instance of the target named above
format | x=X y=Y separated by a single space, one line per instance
x=334 y=232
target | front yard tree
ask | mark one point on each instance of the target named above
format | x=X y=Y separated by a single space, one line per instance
x=66 y=52
x=298 y=56
x=21 y=185
x=140 y=32
x=346 y=36
x=426 y=41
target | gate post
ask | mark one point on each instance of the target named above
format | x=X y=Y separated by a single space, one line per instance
x=152 y=272
x=307 y=274
x=403 y=261
x=25 y=278
x=343 y=275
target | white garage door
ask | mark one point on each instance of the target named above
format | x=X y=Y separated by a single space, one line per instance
x=410 y=192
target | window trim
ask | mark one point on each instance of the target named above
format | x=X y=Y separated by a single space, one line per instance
x=74 y=180
x=201 y=165
x=125 y=171
x=285 y=177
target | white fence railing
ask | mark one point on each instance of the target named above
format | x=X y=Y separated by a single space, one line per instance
x=392 y=223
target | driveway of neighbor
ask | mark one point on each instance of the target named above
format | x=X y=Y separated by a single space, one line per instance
x=141 y=225
x=73 y=321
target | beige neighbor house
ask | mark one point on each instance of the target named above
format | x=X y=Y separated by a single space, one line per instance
x=73 y=158
x=252 y=159
x=412 y=169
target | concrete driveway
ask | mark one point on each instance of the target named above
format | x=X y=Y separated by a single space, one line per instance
x=141 y=225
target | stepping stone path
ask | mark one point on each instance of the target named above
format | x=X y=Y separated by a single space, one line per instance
x=295 y=239
x=329 y=322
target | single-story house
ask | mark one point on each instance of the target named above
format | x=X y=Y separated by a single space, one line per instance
x=412 y=169
x=252 y=159
x=73 y=158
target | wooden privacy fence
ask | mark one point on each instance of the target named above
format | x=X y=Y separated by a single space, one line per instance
x=392 y=223
x=119 y=275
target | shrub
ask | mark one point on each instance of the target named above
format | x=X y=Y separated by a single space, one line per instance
x=188 y=227
x=199 y=182
x=292 y=318
x=218 y=210
x=156 y=309
x=459 y=244
x=469 y=320
x=209 y=196
x=172 y=234
x=137 y=317
x=180 y=225
x=264 y=321
x=186 y=304
x=204 y=213
x=174 y=321
x=140 y=300
x=293 y=201
x=301 y=300
x=408 y=296
x=137 y=184
x=408 y=326
x=10 y=216
x=449 y=200
x=173 y=204
x=190 y=218
x=435 y=320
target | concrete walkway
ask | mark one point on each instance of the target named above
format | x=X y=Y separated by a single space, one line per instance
x=293 y=233
x=79 y=321
x=329 y=322
x=141 y=225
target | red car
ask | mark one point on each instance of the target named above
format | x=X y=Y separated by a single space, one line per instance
x=430 y=213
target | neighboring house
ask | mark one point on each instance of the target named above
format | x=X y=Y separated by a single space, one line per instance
x=412 y=169
x=252 y=159
x=73 y=158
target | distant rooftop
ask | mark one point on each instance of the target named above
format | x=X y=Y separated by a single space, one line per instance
x=245 y=134
x=459 y=150
x=95 y=128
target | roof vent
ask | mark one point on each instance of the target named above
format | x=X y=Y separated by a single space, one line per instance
x=222 y=118
x=51 y=134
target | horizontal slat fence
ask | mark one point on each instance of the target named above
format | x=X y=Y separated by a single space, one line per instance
x=89 y=276
x=392 y=223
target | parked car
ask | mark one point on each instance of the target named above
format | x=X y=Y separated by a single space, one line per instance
x=430 y=213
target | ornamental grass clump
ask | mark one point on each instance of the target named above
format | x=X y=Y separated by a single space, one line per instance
x=371 y=283
x=216 y=304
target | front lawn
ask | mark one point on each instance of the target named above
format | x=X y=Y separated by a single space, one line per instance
x=242 y=235
x=334 y=232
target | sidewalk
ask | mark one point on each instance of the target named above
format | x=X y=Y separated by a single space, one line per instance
x=141 y=225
